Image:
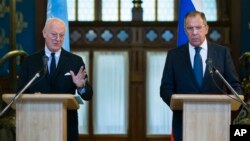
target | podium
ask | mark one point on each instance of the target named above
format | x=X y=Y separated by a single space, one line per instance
x=205 y=117
x=42 y=117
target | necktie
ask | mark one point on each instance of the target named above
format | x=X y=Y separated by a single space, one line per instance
x=52 y=64
x=198 y=69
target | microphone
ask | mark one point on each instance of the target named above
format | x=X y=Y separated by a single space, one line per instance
x=209 y=62
x=44 y=70
x=45 y=63
x=20 y=93
x=212 y=70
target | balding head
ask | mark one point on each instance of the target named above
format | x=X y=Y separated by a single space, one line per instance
x=53 y=33
x=52 y=21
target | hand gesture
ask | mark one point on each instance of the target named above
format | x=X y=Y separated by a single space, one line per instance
x=80 y=78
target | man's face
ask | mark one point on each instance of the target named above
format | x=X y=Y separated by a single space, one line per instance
x=196 y=30
x=54 y=35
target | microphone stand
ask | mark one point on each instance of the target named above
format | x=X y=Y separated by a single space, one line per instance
x=230 y=88
x=20 y=93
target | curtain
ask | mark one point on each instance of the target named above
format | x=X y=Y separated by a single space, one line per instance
x=110 y=101
x=159 y=115
x=83 y=110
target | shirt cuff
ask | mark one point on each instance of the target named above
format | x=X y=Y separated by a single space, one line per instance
x=81 y=90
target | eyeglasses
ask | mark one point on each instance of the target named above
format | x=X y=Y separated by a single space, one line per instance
x=56 y=35
x=197 y=28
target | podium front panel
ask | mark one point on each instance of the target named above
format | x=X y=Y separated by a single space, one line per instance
x=206 y=121
x=41 y=121
x=42 y=117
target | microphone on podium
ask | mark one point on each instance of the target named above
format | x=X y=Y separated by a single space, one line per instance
x=43 y=70
x=245 y=111
x=213 y=70
x=209 y=62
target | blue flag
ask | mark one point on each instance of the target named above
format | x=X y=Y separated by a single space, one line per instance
x=58 y=9
x=185 y=7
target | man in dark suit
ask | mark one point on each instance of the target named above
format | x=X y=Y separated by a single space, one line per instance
x=66 y=72
x=179 y=76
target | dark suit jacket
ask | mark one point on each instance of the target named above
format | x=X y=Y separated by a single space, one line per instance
x=59 y=83
x=178 y=77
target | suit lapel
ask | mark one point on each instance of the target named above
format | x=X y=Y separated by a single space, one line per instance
x=188 y=64
x=61 y=64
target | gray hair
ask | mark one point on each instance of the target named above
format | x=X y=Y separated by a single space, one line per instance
x=195 y=13
x=49 y=20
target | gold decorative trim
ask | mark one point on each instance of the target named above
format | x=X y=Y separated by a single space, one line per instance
x=3 y=9
x=3 y=40
x=20 y=23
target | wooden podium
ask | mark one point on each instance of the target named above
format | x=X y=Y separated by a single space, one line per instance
x=42 y=117
x=205 y=117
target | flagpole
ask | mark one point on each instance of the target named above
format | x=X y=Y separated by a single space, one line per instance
x=12 y=43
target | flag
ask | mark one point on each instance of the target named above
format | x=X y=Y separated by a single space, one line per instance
x=185 y=7
x=172 y=137
x=58 y=9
